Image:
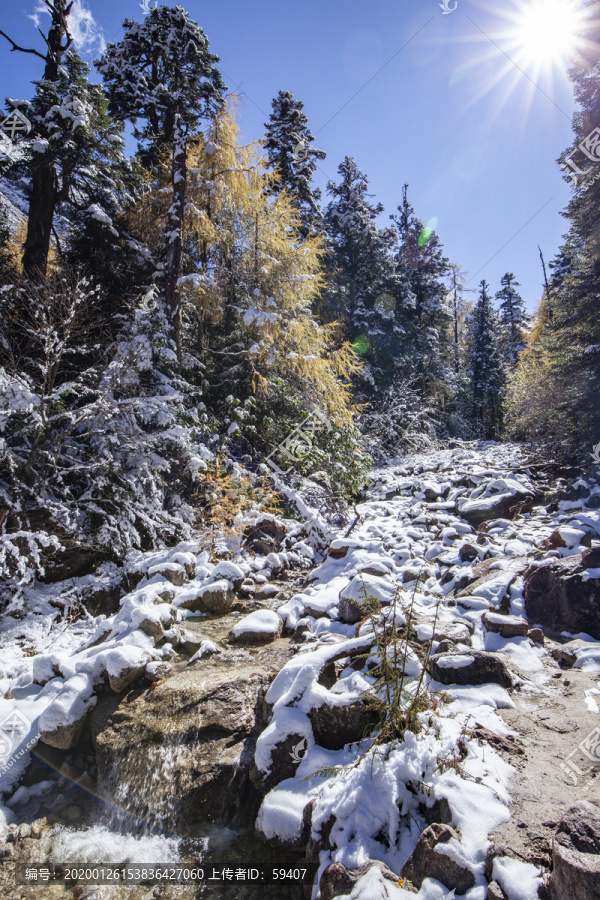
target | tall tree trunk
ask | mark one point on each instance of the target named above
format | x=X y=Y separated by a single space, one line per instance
x=174 y=231
x=42 y=203
x=44 y=180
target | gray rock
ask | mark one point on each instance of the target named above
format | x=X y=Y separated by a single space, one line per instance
x=335 y=726
x=230 y=572
x=64 y=737
x=566 y=653
x=173 y=572
x=560 y=595
x=468 y=553
x=469 y=667
x=260 y=627
x=202 y=722
x=186 y=640
x=576 y=854
x=152 y=628
x=157 y=671
x=126 y=678
x=286 y=756
x=505 y=626
x=426 y=862
x=495 y=892
x=217 y=598
x=337 y=880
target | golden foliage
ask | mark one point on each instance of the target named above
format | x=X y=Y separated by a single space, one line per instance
x=253 y=258
x=532 y=398
x=223 y=497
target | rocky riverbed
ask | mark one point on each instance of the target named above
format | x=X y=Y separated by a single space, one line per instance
x=185 y=708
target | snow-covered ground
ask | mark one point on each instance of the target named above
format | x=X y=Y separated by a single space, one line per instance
x=405 y=553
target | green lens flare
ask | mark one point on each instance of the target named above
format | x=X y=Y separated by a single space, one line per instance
x=427 y=231
x=360 y=345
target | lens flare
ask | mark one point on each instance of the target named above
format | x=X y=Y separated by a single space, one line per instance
x=427 y=232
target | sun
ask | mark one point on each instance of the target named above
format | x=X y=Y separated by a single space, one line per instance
x=546 y=31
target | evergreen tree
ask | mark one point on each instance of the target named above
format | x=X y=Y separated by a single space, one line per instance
x=423 y=310
x=288 y=143
x=485 y=367
x=268 y=360
x=163 y=78
x=512 y=317
x=8 y=271
x=572 y=325
x=45 y=193
x=359 y=262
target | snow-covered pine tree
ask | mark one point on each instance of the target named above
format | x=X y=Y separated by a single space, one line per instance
x=422 y=300
x=162 y=77
x=575 y=324
x=485 y=365
x=288 y=143
x=512 y=317
x=45 y=186
x=360 y=265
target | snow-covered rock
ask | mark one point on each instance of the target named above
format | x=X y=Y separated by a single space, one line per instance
x=260 y=627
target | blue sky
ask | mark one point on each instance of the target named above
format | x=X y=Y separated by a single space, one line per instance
x=449 y=113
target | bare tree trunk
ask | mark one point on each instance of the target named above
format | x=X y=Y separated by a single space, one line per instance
x=174 y=231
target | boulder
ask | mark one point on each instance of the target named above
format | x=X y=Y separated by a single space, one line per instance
x=505 y=626
x=286 y=756
x=265 y=536
x=468 y=553
x=500 y=498
x=469 y=667
x=566 y=654
x=65 y=737
x=229 y=571
x=126 y=677
x=426 y=862
x=172 y=571
x=576 y=854
x=363 y=594
x=152 y=627
x=260 y=627
x=201 y=722
x=335 y=726
x=536 y=635
x=217 y=598
x=187 y=641
x=157 y=671
x=337 y=880
x=561 y=594
x=458 y=632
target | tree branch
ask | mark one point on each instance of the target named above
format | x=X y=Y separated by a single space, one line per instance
x=22 y=49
